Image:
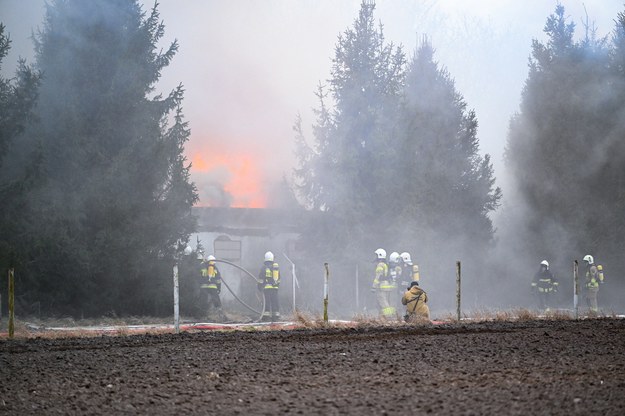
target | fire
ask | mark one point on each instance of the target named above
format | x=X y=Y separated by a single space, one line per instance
x=243 y=178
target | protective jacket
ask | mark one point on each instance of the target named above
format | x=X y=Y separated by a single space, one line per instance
x=211 y=277
x=394 y=272
x=544 y=281
x=415 y=300
x=382 y=280
x=269 y=276
x=409 y=274
x=593 y=276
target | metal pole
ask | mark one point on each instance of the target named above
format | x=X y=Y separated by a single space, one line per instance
x=357 y=292
x=176 y=303
x=11 y=303
x=458 y=278
x=325 y=293
x=295 y=282
x=576 y=288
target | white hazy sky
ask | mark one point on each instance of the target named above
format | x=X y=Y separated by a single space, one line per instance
x=250 y=66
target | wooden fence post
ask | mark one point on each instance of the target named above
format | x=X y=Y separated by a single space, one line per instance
x=325 y=293
x=11 y=303
x=458 y=286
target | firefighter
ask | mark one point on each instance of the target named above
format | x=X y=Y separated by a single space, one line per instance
x=594 y=278
x=394 y=272
x=409 y=273
x=545 y=285
x=269 y=277
x=416 y=301
x=382 y=285
x=211 y=285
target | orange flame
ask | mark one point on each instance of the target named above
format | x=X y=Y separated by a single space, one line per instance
x=245 y=180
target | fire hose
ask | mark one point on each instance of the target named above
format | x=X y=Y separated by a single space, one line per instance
x=260 y=314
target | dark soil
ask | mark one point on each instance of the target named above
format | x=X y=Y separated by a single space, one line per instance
x=534 y=367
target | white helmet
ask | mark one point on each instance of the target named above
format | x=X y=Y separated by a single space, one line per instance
x=380 y=254
x=269 y=256
x=589 y=259
x=394 y=257
x=544 y=263
x=405 y=256
x=210 y=258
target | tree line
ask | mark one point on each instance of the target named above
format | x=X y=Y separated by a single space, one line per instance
x=95 y=190
x=394 y=158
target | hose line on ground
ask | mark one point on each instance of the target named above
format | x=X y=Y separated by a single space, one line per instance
x=260 y=314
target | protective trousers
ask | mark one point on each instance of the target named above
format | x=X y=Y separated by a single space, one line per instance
x=213 y=299
x=384 y=303
x=544 y=299
x=591 y=298
x=272 y=306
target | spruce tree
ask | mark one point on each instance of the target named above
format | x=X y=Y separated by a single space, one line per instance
x=565 y=147
x=115 y=196
x=347 y=172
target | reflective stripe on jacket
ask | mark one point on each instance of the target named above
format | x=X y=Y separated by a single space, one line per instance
x=592 y=277
x=381 y=276
x=211 y=277
x=269 y=276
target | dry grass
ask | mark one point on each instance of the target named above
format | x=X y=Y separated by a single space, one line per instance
x=558 y=315
x=34 y=328
x=513 y=315
x=308 y=320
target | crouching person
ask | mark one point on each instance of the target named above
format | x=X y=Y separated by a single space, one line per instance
x=416 y=300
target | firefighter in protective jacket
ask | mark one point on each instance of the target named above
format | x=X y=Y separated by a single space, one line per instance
x=416 y=301
x=593 y=278
x=269 y=282
x=409 y=273
x=544 y=285
x=211 y=285
x=383 y=286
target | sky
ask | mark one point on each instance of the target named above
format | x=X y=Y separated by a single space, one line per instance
x=250 y=67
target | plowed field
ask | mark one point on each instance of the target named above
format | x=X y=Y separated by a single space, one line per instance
x=497 y=368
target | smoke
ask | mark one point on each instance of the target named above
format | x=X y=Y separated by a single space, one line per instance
x=249 y=67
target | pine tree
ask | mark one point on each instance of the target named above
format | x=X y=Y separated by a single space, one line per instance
x=18 y=96
x=347 y=172
x=565 y=146
x=447 y=187
x=116 y=197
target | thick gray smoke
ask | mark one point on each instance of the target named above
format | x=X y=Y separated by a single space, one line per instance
x=248 y=67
